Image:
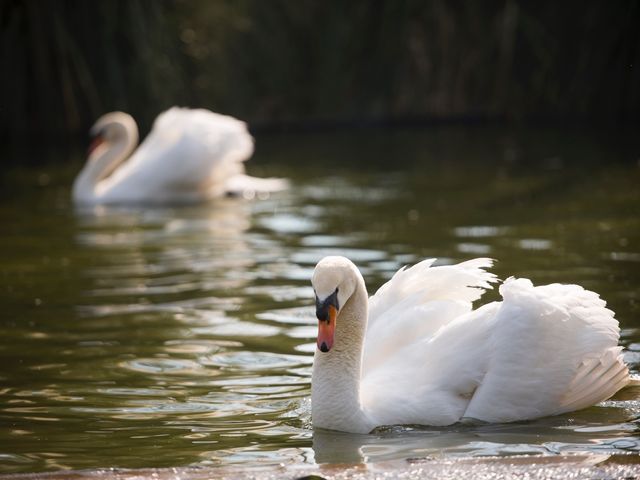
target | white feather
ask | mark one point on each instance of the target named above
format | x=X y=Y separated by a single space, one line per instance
x=190 y=155
x=428 y=358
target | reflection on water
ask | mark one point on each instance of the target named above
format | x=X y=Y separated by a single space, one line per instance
x=558 y=435
x=184 y=336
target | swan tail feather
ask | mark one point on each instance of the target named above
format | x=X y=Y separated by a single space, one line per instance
x=596 y=380
x=244 y=184
x=634 y=381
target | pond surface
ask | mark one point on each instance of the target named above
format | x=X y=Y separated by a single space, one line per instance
x=169 y=337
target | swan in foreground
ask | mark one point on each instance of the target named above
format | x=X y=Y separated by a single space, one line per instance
x=415 y=353
x=189 y=156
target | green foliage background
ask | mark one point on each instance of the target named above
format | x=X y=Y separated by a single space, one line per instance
x=302 y=63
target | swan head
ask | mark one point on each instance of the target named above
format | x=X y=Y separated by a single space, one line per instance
x=112 y=128
x=334 y=280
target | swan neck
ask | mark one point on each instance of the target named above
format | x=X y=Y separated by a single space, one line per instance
x=335 y=390
x=102 y=162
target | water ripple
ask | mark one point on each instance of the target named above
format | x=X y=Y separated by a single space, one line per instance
x=170 y=366
x=253 y=361
x=186 y=335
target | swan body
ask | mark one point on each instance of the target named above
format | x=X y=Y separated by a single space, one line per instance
x=190 y=155
x=417 y=353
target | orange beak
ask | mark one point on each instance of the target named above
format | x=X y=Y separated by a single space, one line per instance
x=327 y=329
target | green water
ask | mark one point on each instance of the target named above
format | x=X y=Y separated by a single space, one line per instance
x=164 y=337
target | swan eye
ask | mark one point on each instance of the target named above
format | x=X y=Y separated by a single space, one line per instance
x=322 y=307
x=334 y=299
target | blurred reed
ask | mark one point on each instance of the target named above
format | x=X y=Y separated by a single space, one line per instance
x=294 y=63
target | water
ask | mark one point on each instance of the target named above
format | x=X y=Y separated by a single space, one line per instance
x=184 y=336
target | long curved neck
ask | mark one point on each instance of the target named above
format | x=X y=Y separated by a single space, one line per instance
x=335 y=390
x=101 y=163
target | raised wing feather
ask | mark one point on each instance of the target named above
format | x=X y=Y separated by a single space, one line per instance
x=417 y=301
x=465 y=281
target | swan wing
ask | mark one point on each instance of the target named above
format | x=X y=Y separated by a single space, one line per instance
x=553 y=349
x=425 y=350
x=417 y=301
x=430 y=381
x=189 y=152
x=541 y=351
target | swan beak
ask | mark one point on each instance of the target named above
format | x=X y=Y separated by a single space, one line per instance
x=326 y=312
x=95 y=143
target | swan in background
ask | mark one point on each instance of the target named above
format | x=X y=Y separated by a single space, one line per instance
x=415 y=353
x=189 y=156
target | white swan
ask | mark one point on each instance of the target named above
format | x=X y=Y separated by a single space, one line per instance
x=189 y=156
x=416 y=353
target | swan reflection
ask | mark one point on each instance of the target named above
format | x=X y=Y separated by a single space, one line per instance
x=566 y=434
x=404 y=442
x=165 y=252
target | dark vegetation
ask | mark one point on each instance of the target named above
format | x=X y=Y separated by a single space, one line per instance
x=307 y=63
